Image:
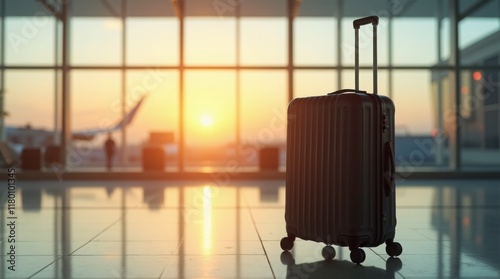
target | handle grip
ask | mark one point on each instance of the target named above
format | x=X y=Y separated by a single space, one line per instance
x=365 y=20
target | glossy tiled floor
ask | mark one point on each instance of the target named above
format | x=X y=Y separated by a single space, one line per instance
x=449 y=229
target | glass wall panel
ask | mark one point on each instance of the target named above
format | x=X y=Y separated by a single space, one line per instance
x=315 y=41
x=480 y=108
x=30 y=40
x=159 y=111
x=95 y=98
x=264 y=41
x=29 y=103
x=314 y=82
x=209 y=118
x=210 y=41
x=95 y=104
x=95 y=41
x=414 y=41
x=479 y=33
x=263 y=112
x=424 y=120
x=152 y=41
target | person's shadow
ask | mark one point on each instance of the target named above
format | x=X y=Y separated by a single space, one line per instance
x=337 y=269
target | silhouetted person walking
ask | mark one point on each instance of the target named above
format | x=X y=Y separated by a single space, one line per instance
x=109 y=148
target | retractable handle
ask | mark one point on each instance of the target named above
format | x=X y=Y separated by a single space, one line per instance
x=357 y=24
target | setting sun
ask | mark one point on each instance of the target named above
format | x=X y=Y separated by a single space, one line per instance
x=206 y=120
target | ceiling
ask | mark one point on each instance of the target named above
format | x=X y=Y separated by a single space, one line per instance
x=255 y=8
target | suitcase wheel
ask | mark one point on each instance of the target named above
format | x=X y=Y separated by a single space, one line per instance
x=394 y=249
x=358 y=255
x=328 y=253
x=286 y=243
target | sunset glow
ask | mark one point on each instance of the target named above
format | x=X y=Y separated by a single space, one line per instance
x=206 y=120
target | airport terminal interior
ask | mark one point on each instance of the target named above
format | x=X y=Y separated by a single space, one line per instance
x=148 y=138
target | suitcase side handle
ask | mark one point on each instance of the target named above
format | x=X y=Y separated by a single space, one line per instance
x=389 y=174
x=357 y=23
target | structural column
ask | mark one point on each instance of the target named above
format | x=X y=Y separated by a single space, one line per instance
x=180 y=153
x=291 y=11
x=65 y=96
x=123 y=147
x=455 y=160
x=439 y=125
x=2 y=72
x=238 y=78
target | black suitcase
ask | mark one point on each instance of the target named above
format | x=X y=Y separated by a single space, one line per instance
x=340 y=168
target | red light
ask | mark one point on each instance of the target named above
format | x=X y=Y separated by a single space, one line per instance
x=477 y=75
x=465 y=90
x=434 y=132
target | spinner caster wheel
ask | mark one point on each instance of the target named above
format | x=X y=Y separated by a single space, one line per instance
x=328 y=253
x=358 y=256
x=286 y=243
x=394 y=249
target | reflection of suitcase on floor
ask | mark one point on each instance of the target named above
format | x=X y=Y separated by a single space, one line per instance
x=340 y=168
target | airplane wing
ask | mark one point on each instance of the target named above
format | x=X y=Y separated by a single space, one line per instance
x=90 y=133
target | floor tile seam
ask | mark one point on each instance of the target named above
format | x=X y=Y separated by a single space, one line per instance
x=60 y=257
x=260 y=240
x=94 y=237
x=40 y=270
x=179 y=244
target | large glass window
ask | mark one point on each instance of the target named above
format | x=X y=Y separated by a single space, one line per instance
x=96 y=41
x=95 y=98
x=95 y=104
x=30 y=40
x=264 y=41
x=314 y=82
x=152 y=41
x=210 y=41
x=29 y=98
x=29 y=105
x=415 y=144
x=315 y=41
x=414 y=41
x=209 y=116
x=159 y=111
x=263 y=112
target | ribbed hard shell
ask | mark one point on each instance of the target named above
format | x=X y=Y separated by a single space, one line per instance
x=335 y=169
